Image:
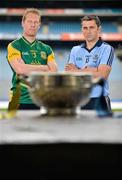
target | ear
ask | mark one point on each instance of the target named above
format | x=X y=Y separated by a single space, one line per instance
x=22 y=23
x=100 y=30
x=39 y=25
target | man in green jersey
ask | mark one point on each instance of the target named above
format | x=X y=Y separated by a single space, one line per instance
x=27 y=54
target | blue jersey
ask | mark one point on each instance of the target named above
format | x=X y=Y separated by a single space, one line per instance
x=101 y=53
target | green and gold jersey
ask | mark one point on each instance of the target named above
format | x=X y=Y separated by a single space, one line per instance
x=31 y=53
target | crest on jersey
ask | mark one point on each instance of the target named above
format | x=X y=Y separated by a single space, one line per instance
x=95 y=58
x=43 y=55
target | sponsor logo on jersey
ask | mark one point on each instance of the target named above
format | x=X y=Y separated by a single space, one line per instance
x=78 y=58
x=25 y=53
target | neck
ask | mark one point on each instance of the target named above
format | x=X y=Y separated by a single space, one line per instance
x=29 y=38
x=90 y=44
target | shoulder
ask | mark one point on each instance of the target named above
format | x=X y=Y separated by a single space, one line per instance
x=76 y=48
x=107 y=46
x=15 y=44
x=44 y=46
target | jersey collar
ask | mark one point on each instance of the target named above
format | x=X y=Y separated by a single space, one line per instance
x=98 y=44
x=27 y=42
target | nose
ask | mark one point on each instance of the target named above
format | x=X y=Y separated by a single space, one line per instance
x=32 y=23
x=89 y=30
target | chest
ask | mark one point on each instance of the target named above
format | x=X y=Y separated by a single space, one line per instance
x=34 y=55
x=85 y=57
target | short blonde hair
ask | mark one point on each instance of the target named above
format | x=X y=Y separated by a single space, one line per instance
x=31 y=10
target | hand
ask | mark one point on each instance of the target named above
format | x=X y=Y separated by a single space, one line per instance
x=71 y=67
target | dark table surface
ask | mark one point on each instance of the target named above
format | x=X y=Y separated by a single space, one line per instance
x=32 y=127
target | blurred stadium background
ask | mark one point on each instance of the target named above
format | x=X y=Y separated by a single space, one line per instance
x=61 y=29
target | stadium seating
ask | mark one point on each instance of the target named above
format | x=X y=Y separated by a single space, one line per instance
x=55 y=27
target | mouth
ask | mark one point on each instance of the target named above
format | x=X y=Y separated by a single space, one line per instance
x=89 y=36
x=32 y=29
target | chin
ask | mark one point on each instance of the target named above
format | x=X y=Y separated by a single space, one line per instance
x=32 y=35
x=90 y=39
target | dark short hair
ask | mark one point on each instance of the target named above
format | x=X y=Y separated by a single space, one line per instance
x=92 y=17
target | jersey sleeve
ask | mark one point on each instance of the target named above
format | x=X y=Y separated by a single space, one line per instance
x=108 y=56
x=72 y=56
x=13 y=53
x=51 y=56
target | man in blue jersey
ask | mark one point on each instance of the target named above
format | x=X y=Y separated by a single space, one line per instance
x=93 y=56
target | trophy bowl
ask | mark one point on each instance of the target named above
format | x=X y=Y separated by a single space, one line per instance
x=60 y=93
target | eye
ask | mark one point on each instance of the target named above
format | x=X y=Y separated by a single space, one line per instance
x=36 y=22
x=92 y=27
x=85 y=28
x=29 y=21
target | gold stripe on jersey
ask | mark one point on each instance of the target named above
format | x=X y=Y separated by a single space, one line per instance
x=10 y=95
x=51 y=58
x=13 y=54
